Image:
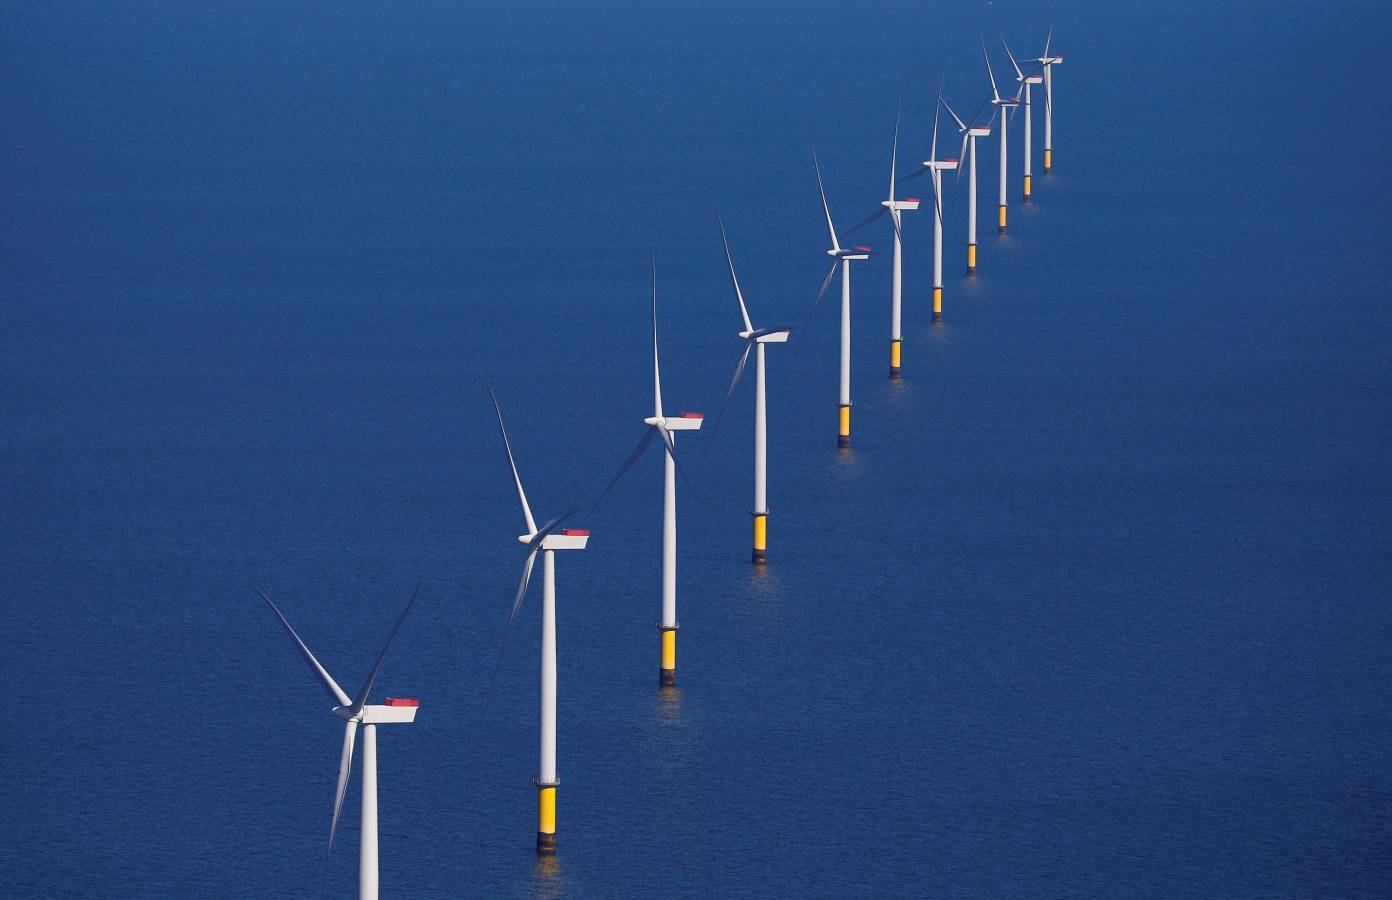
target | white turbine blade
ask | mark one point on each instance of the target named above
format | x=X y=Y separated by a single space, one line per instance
x=962 y=157
x=730 y=391
x=1019 y=76
x=826 y=282
x=873 y=217
x=995 y=92
x=657 y=372
x=345 y=768
x=522 y=587
x=835 y=245
x=324 y=677
x=633 y=456
x=933 y=154
x=961 y=126
x=1049 y=37
x=517 y=479
x=744 y=311
x=894 y=147
x=361 y=700
x=672 y=452
x=551 y=526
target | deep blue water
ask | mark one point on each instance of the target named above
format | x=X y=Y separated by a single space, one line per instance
x=1097 y=605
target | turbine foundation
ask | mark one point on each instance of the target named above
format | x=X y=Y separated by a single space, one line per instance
x=1000 y=228
x=894 y=357
x=1048 y=160
x=546 y=819
x=843 y=435
x=667 y=675
x=760 y=538
x=971 y=259
x=1027 y=189
x=937 y=304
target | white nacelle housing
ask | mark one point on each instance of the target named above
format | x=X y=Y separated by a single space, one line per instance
x=778 y=337
x=389 y=715
x=979 y=132
x=684 y=422
x=906 y=203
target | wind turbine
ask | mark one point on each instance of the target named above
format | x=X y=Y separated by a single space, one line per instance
x=842 y=258
x=354 y=712
x=545 y=540
x=1048 y=62
x=1003 y=107
x=754 y=339
x=935 y=168
x=969 y=135
x=1028 y=81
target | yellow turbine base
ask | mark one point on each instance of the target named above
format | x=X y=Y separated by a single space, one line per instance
x=971 y=257
x=895 y=356
x=1048 y=159
x=1027 y=188
x=760 y=538
x=937 y=304
x=669 y=650
x=546 y=819
x=843 y=434
x=1002 y=219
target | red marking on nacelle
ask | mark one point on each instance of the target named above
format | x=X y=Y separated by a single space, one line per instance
x=910 y=199
x=402 y=701
x=863 y=249
x=576 y=532
x=693 y=415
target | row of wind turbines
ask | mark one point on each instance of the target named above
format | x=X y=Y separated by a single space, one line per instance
x=551 y=537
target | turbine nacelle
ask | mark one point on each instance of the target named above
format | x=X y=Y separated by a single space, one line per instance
x=687 y=421
x=942 y=165
x=773 y=337
x=1031 y=79
x=1049 y=60
x=396 y=711
x=979 y=131
x=901 y=205
x=852 y=253
x=565 y=539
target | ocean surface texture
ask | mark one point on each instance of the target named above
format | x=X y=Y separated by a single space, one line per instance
x=1097 y=604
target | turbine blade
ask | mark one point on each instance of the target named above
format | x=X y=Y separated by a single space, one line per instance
x=517 y=479
x=894 y=146
x=873 y=217
x=324 y=677
x=657 y=373
x=933 y=154
x=826 y=282
x=962 y=157
x=345 y=768
x=521 y=589
x=917 y=174
x=633 y=456
x=1019 y=76
x=730 y=391
x=961 y=126
x=361 y=699
x=1048 y=39
x=744 y=311
x=672 y=452
x=835 y=245
x=995 y=92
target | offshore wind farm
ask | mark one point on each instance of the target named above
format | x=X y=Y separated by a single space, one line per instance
x=309 y=303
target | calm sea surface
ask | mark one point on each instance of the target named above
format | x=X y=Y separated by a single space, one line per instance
x=1098 y=604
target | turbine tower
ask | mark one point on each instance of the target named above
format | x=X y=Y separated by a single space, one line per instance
x=1003 y=107
x=1029 y=81
x=969 y=135
x=935 y=168
x=355 y=712
x=666 y=426
x=545 y=540
x=754 y=339
x=1048 y=62
x=842 y=258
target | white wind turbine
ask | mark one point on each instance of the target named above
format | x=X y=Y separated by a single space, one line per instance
x=1048 y=62
x=754 y=339
x=1003 y=107
x=545 y=540
x=355 y=712
x=935 y=167
x=842 y=257
x=1029 y=81
x=896 y=209
x=661 y=424
x=969 y=135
